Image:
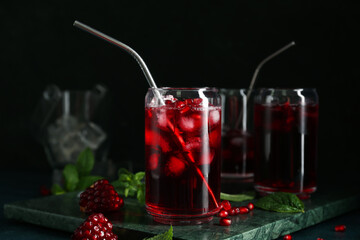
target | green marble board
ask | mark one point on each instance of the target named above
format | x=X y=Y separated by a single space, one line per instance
x=62 y=212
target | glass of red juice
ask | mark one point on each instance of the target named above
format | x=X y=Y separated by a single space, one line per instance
x=182 y=154
x=286 y=135
x=237 y=134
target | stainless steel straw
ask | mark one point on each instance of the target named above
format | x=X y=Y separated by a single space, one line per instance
x=257 y=70
x=126 y=48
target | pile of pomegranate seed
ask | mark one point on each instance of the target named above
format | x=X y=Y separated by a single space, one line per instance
x=227 y=210
x=340 y=228
x=100 y=197
x=96 y=226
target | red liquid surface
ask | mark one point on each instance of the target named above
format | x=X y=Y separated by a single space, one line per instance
x=182 y=151
x=286 y=148
x=237 y=153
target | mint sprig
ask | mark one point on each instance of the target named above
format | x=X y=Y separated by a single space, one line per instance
x=85 y=162
x=281 y=202
x=238 y=197
x=168 y=235
x=77 y=176
x=129 y=184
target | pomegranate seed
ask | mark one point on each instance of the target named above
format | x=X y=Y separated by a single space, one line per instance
x=237 y=211
x=287 y=237
x=180 y=104
x=340 y=228
x=44 y=191
x=320 y=239
x=223 y=213
x=168 y=102
x=243 y=210
x=225 y=221
x=232 y=212
x=197 y=101
x=226 y=205
x=250 y=206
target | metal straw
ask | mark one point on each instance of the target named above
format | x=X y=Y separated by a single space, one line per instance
x=257 y=70
x=126 y=48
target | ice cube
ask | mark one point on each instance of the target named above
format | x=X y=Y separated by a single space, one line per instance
x=70 y=146
x=215 y=138
x=63 y=141
x=153 y=161
x=92 y=135
x=187 y=124
x=156 y=140
x=193 y=144
x=214 y=117
x=206 y=157
x=175 y=166
x=192 y=122
x=162 y=118
x=67 y=122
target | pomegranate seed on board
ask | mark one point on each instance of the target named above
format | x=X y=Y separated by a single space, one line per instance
x=232 y=212
x=226 y=205
x=250 y=206
x=225 y=221
x=340 y=228
x=243 y=210
x=287 y=237
x=223 y=213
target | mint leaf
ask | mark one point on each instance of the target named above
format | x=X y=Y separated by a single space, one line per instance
x=125 y=177
x=85 y=162
x=141 y=194
x=87 y=181
x=139 y=175
x=130 y=184
x=238 y=197
x=56 y=189
x=123 y=171
x=281 y=202
x=168 y=235
x=126 y=192
x=71 y=177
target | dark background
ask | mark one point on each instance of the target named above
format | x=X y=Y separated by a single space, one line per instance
x=184 y=43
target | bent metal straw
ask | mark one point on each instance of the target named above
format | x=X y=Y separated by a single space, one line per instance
x=257 y=70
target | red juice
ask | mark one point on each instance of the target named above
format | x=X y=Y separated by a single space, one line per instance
x=237 y=153
x=237 y=135
x=286 y=147
x=183 y=161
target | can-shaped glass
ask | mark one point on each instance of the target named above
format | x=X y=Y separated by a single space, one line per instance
x=182 y=154
x=286 y=136
x=237 y=134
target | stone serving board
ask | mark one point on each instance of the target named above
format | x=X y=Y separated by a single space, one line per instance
x=62 y=212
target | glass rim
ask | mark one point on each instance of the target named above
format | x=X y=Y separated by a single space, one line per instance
x=212 y=89
x=286 y=89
